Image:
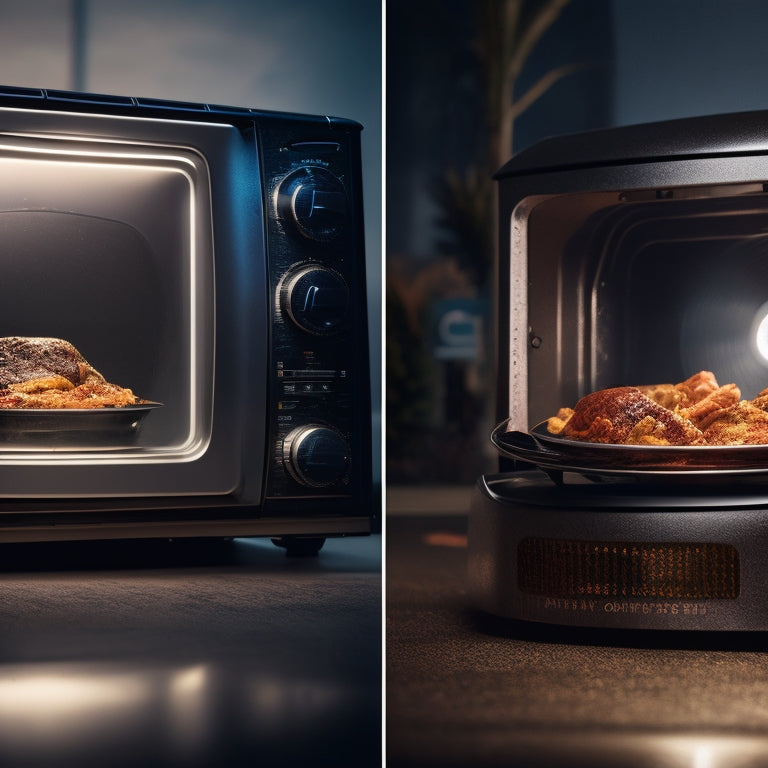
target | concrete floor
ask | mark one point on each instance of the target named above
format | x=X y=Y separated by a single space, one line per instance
x=190 y=654
x=466 y=689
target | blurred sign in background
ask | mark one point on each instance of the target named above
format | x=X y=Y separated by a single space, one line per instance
x=458 y=329
x=466 y=79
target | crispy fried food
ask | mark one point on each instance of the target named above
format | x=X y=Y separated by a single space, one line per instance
x=741 y=424
x=698 y=387
x=697 y=411
x=723 y=397
x=649 y=431
x=95 y=394
x=625 y=415
x=556 y=424
x=42 y=384
x=695 y=398
x=761 y=401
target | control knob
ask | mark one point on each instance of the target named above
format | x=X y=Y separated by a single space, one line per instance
x=316 y=456
x=316 y=298
x=314 y=200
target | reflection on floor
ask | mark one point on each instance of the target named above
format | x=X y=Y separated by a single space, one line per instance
x=190 y=654
x=464 y=688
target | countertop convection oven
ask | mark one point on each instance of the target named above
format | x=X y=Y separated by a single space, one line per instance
x=629 y=257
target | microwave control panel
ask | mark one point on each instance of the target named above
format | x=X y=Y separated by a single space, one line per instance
x=320 y=443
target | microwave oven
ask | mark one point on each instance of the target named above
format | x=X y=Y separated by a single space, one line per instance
x=211 y=260
x=630 y=257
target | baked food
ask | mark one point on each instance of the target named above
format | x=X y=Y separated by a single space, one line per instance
x=744 y=423
x=625 y=415
x=696 y=398
x=41 y=372
x=697 y=411
x=23 y=358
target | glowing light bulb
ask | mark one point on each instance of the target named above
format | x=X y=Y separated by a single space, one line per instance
x=760 y=332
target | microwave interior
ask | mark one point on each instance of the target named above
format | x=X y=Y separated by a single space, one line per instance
x=639 y=287
x=108 y=244
x=104 y=248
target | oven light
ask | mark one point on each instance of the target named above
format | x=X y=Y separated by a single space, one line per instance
x=760 y=332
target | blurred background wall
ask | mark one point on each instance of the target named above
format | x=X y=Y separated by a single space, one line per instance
x=291 y=55
x=577 y=65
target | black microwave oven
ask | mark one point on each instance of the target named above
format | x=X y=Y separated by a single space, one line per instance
x=209 y=259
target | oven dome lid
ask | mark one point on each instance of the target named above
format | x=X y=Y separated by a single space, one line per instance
x=713 y=135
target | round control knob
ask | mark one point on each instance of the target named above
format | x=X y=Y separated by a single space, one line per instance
x=315 y=456
x=316 y=298
x=315 y=201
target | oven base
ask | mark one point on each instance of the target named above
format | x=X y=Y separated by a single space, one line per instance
x=619 y=556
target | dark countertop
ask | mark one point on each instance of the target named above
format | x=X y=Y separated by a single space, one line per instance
x=466 y=689
x=190 y=654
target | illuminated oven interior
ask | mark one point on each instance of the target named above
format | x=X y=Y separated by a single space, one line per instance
x=109 y=247
x=643 y=287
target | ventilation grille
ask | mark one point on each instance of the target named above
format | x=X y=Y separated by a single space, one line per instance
x=570 y=568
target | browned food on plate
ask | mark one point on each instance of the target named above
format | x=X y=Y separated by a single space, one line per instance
x=742 y=424
x=556 y=424
x=695 y=398
x=624 y=415
x=685 y=393
x=697 y=411
x=38 y=372
x=23 y=358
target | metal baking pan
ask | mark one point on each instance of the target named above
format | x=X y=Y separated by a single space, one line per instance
x=654 y=463
x=73 y=427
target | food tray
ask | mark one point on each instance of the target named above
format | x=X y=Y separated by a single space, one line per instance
x=73 y=427
x=645 y=463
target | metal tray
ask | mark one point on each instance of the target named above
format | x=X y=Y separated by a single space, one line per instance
x=73 y=427
x=644 y=463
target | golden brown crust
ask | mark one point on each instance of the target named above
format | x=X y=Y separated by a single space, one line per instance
x=51 y=373
x=624 y=415
x=740 y=424
x=90 y=395
x=556 y=424
x=701 y=413
x=697 y=411
x=695 y=398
